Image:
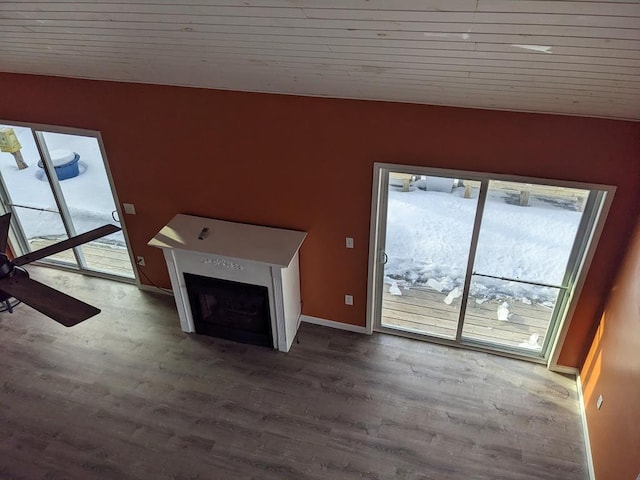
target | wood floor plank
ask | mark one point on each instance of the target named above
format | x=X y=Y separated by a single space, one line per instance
x=127 y=395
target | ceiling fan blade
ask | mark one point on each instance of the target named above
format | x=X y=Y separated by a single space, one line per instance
x=59 y=306
x=5 y=220
x=66 y=244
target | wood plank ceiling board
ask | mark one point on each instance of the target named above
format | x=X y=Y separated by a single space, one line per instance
x=567 y=57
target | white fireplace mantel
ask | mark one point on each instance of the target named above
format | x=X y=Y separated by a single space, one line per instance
x=238 y=252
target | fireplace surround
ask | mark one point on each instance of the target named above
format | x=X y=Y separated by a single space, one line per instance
x=240 y=257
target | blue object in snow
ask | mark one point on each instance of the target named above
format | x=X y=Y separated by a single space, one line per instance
x=65 y=164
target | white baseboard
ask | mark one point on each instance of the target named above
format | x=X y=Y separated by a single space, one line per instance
x=585 y=428
x=149 y=288
x=333 y=324
x=566 y=370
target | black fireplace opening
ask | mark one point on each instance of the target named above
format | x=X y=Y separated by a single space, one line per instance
x=230 y=310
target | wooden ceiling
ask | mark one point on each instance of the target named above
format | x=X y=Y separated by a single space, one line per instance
x=570 y=57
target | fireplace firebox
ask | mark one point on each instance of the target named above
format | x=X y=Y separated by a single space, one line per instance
x=230 y=310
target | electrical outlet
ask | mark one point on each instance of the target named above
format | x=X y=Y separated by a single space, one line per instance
x=140 y=261
x=599 y=403
x=349 y=242
x=348 y=299
x=129 y=208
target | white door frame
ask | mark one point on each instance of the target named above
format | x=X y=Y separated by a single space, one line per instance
x=377 y=242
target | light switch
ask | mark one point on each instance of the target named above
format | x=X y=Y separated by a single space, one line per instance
x=129 y=208
x=349 y=242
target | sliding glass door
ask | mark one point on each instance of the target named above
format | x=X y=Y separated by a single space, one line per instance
x=479 y=260
x=57 y=188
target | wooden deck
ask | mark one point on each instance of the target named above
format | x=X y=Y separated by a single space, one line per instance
x=106 y=258
x=423 y=310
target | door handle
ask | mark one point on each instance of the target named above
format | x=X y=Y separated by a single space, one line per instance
x=385 y=258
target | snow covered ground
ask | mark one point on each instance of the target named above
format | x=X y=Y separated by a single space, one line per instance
x=429 y=233
x=88 y=195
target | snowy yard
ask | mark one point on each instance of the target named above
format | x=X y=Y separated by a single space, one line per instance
x=429 y=233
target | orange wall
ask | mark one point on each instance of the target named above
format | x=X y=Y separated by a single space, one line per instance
x=612 y=369
x=306 y=163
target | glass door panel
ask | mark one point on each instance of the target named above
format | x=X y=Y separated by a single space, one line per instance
x=429 y=226
x=525 y=244
x=28 y=195
x=84 y=186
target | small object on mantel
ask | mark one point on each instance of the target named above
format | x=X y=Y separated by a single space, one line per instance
x=203 y=233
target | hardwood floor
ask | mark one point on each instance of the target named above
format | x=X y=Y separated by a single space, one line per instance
x=127 y=395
